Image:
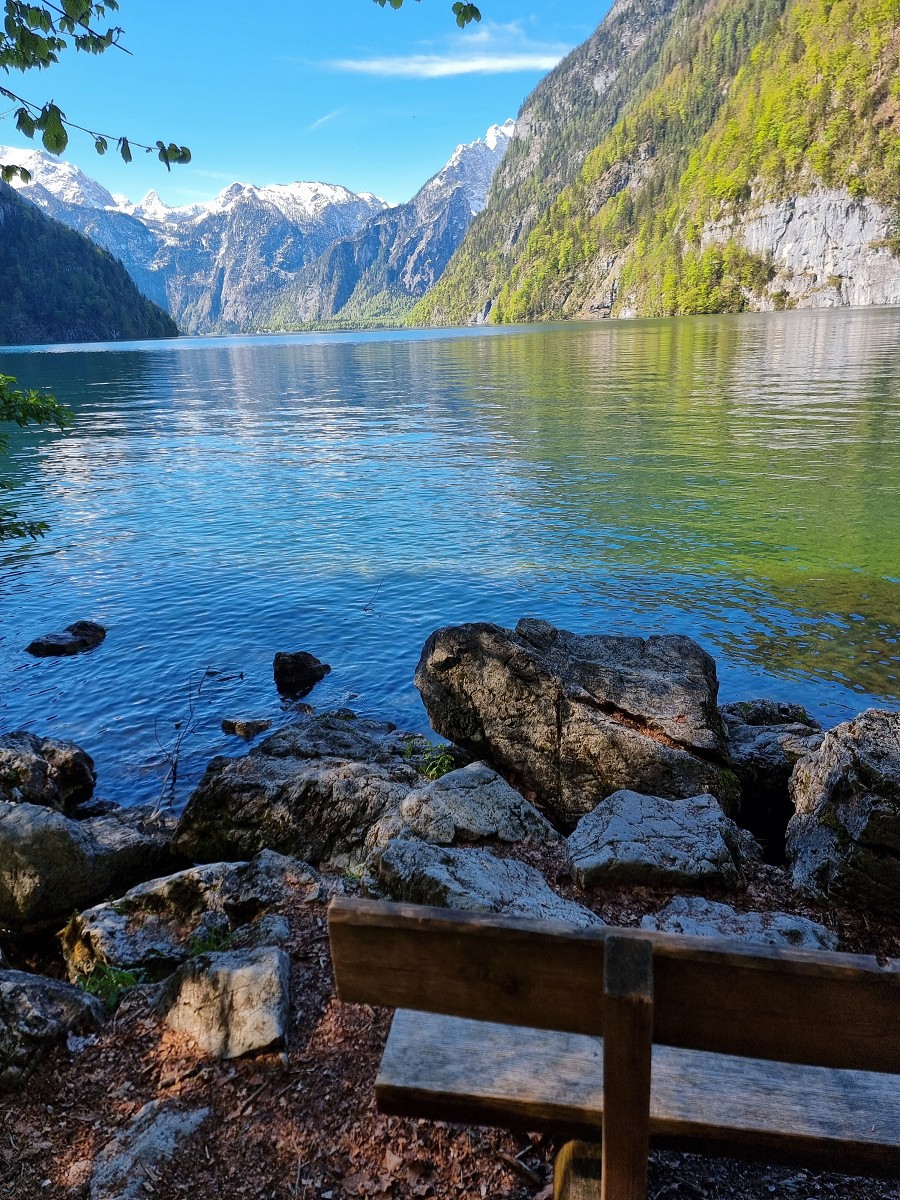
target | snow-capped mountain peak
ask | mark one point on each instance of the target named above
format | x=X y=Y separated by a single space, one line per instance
x=62 y=179
x=471 y=167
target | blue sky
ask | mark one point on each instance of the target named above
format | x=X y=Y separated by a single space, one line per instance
x=337 y=90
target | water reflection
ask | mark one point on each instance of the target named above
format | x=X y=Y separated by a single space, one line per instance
x=733 y=478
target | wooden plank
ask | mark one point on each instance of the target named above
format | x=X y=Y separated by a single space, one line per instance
x=481 y=1073
x=627 y=1057
x=837 y=1010
x=577 y=1172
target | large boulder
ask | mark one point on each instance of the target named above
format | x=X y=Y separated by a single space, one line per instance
x=469 y=805
x=843 y=843
x=474 y=880
x=231 y=1004
x=51 y=865
x=47 y=771
x=698 y=917
x=159 y=925
x=130 y=1166
x=36 y=1012
x=312 y=790
x=765 y=741
x=573 y=718
x=74 y=639
x=654 y=842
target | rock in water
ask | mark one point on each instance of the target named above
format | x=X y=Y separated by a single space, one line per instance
x=473 y=880
x=51 y=865
x=296 y=674
x=765 y=741
x=843 y=843
x=231 y=1004
x=75 y=639
x=247 y=730
x=653 y=842
x=699 y=917
x=471 y=804
x=36 y=1012
x=45 y=771
x=124 y=1168
x=576 y=718
x=312 y=790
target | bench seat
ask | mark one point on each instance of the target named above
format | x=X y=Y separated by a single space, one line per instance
x=476 y=1072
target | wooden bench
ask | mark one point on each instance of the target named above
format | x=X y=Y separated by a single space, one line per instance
x=628 y=1038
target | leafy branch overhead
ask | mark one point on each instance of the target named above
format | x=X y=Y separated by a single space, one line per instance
x=32 y=38
x=24 y=408
x=464 y=13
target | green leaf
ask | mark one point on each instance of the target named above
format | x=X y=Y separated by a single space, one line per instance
x=125 y=150
x=101 y=145
x=50 y=122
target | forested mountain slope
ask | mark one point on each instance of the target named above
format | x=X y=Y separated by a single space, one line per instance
x=56 y=286
x=754 y=163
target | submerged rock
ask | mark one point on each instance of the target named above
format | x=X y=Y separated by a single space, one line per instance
x=474 y=880
x=128 y=1167
x=469 y=805
x=233 y=1003
x=574 y=718
x=765 y=741
x=75 y=639
x=699 y=917
x=247 y=730
x=35 y=1013
x=157 y=926
x=296 y=674
x=843 y=843
x=654 y=842
x=46 y=771
x=312 y=790
x=50 y=865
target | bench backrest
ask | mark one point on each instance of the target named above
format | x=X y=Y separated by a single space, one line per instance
x=812 y=1007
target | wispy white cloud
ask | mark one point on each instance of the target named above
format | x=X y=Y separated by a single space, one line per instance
x=435 y=66
x=324 y=120
x=487 y=50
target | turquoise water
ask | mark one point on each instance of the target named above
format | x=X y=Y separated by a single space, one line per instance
x=734 y=478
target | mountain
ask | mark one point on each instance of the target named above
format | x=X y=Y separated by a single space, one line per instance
x=378 y=272
x=56 y=286
x=211 y=265
x=698 y=156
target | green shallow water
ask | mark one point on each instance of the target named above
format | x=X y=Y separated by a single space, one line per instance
x=735 y=478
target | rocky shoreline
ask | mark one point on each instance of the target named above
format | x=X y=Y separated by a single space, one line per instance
x=589 y=779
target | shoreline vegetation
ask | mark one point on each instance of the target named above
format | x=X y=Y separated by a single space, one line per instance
x=179 y=1033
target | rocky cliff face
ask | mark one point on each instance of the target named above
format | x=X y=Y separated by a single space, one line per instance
x=382 y=269
x=826 y=249
x=741 y=154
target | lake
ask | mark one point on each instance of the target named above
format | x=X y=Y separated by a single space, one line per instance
x=733 y=478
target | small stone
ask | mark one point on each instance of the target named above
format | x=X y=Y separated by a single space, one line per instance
x=655 y=842
x=231 y=1004
x=247 y=730
x=75 y=639
x=298 y=673
x=699 y=917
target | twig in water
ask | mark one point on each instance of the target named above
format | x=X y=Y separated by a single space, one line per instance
x=367 y=607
